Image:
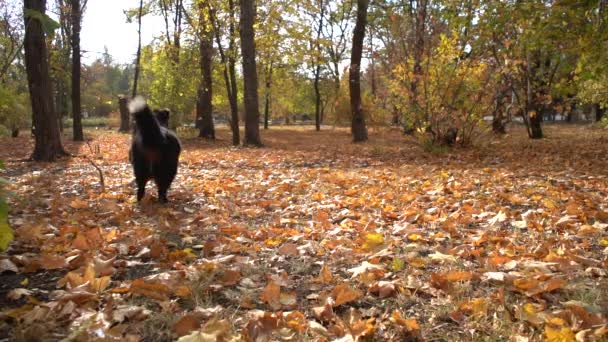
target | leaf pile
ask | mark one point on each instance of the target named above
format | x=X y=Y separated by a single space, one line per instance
x=313 y=238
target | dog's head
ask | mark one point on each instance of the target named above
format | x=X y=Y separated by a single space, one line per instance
x=162 y=115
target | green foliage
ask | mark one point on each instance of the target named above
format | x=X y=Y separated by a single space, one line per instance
x=170 y=84
x=6 y=233
x=48 y=24
x=14 y=106
x=455 y=92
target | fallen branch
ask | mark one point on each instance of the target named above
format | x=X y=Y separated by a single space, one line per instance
x=101 y=177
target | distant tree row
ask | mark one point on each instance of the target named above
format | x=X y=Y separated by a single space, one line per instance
x=436 y=69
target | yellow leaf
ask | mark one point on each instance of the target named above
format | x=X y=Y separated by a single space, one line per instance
x=559 y=334
x=397 y=265
x=414 y=237
x=549 y=203
x=373 y=240
x=6 y=236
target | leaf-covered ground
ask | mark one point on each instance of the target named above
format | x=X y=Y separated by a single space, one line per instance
x=313 y=238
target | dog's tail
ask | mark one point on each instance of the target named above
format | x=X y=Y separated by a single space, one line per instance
x=138 y=104
x=146 y=124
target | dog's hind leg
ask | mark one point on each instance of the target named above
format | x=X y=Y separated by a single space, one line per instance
x=141 y=187
x=164 y=177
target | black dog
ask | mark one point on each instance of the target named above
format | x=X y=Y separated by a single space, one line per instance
x=154 y=151
x=162 y=115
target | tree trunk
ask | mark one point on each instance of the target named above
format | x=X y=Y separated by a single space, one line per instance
x=138 y=57
x=358 y=128
x=421 y=14
x=599 y=112
x=267 y=96
x=125 y=117
x=204 y=105
x=317 y=68
x=229 y=70
x=250 y=78
x=234 y=108
x=536 y=127
x=44 y=119
x=75 y=40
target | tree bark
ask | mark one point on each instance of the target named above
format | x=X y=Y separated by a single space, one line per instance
x=234 y=108
x=75 y=41
x=267 y=95
x=137 y=59
x=250 y=78
x=599 y=112
x=317 y=68
x=536 y=131
x=421 y=14
x=125 y=117
x=48 y=144
x=358 y=128
x=204 y=105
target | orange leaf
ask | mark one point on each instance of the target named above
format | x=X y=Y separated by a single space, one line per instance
x=458 y=276
x=187 y=324
x=230 y=277
x=344 y=294
x=410 y=324
x=151 y=290
x=289 y=249
x=325 y=276
x=52 y=262
x=272 y=295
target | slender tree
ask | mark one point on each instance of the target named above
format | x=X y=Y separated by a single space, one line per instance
x=229 y=70
x=250 y=78
x=77 y=9
x=317 y=66
x=358 y=128
x=137 y=59
x=268 y=87
x=48 y=144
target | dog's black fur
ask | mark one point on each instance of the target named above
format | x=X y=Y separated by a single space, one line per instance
x=154 y=150
x=162 y=115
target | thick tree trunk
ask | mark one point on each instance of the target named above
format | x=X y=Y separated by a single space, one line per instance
x=536 y=127
x=45 y=126
x=138 y=57
x=250 y=78
x=204 y=105
x=75 y=40
x=358 y=128
x=125 y=117
x=267 y=95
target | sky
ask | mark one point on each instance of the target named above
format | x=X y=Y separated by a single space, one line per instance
x=105 y=24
